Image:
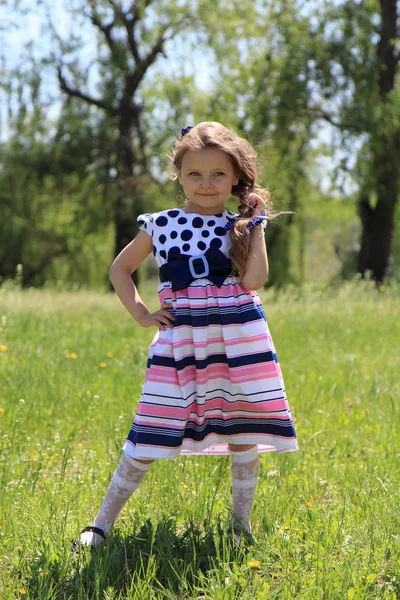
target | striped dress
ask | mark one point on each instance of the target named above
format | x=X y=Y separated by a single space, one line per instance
x=214 y=378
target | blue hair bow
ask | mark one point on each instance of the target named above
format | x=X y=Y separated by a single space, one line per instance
x=186 y=130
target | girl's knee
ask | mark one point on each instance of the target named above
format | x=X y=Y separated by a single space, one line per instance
x=143 y=464
x=241 y=447
x=246 y=453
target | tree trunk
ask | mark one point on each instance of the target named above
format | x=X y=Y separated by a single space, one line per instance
x=378 y=223
x=377 y=228
x=125 y=201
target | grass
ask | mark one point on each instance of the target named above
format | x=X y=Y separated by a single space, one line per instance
x=326 y=518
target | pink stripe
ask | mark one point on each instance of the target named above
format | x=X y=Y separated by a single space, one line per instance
x=219 y=340
x=187 y=303
x=217 y=404
x=204 y=292
x=189 y=374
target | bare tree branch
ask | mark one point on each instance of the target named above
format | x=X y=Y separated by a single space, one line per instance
x=129 y=21
x=73 y=92
x=141 y=136
x=132 y=40
x=135 y=9
x=342 y=125
x=105 y=29
x=117 y=9
x=135 y=77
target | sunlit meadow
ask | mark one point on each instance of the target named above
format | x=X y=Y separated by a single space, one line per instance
x=326 y=518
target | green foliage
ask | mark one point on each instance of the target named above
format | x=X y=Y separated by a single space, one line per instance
x=287 y=66
x=325 y=518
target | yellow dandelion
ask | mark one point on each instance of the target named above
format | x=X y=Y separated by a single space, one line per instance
x=73 y=355
x=3 y=347
x=22 y=590
x=348 y=400
x=2 y=410
x=254 y=564
x=109 y=354
x=66 y=352
x=309 y=504
x=346 y=412
x=103 y=365
x=381 y=288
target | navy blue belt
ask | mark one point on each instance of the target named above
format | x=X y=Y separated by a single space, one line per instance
x=182 y=269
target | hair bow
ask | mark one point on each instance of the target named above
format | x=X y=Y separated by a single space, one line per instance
x=186 y=130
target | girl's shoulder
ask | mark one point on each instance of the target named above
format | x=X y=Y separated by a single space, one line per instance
x=160 y=216
x=163 y=219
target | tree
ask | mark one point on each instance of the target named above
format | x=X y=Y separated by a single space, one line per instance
x=356 y=69
x=304 y=63
x=131 y=39
x=378 y=221
x=262 y=89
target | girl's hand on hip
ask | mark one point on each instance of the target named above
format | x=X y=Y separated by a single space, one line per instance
x=162 y=319
x=257 y=204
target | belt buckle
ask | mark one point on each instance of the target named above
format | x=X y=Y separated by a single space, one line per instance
x=205 y=263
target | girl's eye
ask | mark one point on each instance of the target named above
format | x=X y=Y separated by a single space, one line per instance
x=196 y=174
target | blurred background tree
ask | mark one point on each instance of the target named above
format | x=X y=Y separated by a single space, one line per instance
x=313 y=85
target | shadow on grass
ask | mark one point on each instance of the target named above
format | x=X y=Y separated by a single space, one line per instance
x=162 y=560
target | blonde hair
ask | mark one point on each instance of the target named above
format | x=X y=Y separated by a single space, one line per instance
x=244 y=160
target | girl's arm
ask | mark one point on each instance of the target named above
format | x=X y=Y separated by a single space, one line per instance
x=120 y=273
x=257 y=260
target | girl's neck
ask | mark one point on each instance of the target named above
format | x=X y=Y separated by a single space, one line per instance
x=200 y=210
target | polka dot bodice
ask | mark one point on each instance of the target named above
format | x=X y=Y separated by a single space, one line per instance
x=176 y=231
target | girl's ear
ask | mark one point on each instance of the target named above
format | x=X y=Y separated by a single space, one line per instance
x=180 y=177
x=236 y=180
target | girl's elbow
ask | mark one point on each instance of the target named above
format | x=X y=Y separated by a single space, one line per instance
x=114 y=271
x=119 y=270
x=111 y=271
x=254 y=283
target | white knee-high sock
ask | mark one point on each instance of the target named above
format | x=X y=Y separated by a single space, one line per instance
x=244 y=481
x=126 y=479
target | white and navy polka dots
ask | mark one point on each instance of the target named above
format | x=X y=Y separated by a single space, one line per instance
x=174 y=231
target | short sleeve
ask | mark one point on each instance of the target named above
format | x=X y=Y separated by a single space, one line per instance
x=146 y=223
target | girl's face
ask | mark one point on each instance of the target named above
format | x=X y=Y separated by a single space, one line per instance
x=207 y=177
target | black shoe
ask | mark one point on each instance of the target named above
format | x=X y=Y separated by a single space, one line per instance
x=239 y=535
x=77 y=544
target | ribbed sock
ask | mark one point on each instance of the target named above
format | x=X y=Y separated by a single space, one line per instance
x=127 y=477
x=244 y=482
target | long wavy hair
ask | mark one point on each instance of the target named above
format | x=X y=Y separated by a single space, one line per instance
x=210 y=134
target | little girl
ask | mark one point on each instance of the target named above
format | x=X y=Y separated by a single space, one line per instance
x=213 y=382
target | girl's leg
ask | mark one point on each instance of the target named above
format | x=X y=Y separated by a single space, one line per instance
x=126 y=479
x=245 y=463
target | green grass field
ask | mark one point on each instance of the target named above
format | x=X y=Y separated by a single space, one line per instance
x=326 y=518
